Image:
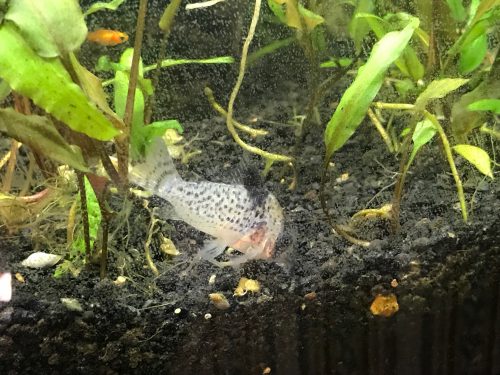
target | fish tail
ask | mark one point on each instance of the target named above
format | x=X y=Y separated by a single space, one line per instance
x=156 y=171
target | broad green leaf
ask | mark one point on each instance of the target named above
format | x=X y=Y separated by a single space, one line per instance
x=358 y=97
x=472 y=55
x=101 y=5
x=491 y=105
x=40 y=134
x=477 y=157
x=358 y=27
x=49 y=85
x=424 y=132
x=463 y=121
x=92 y=86
x=438 y=89
x=457 y=9
x=52 y=27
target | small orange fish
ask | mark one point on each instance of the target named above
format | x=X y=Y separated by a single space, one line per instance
x=106 y=37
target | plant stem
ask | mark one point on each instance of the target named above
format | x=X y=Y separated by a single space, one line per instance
x=382 y=105
x=85 y=214
x=451 y=162
x=234 y=94
x=247 y=129
x=380 y=128
x=124 y=140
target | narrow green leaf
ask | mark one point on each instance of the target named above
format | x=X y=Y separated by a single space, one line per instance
x=472 y=55
x=49 y=85
x=168 y=15
x=408 y=63
x=266 y=50
x=52 y=27
x=438 y=89
x=41 y=135
x=101 y=5
x=477 y=157
x=491 y=105
x=171 y=62
x=457 y=9
x=358 y=27
x=358 y=97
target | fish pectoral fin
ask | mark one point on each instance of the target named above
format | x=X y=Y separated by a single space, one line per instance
x=212 y=250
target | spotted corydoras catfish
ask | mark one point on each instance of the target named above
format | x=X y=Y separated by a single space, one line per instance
x=248 y=220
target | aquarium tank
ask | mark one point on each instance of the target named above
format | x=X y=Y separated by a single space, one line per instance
x=250 y=187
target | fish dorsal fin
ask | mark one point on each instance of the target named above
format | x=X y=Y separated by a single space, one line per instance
x=248 y=175
x=155 y=172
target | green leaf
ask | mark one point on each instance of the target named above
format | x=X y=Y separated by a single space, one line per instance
x=457 y=9
x=358 y=97
x=491 y=105
x=4 y=90
x=472 y=54
x=49 y=85
x=40 y=134
x=477 y=157
x=278 y=10
x=438 y=89
x=104 y=64
x=267 y=49
x=52 y=27
x=158 y=128
x=335 y=62
x=94 y=215
x=171 y=62
x=168 y=15
x=358 y=27
x=408 y=63
x=310 y=18
x=3 y=9
x=424 y=132
x=101 y=5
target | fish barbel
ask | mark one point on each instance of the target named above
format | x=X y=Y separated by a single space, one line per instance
x=237 y=216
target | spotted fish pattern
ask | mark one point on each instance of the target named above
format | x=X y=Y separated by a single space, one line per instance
x=235 y=215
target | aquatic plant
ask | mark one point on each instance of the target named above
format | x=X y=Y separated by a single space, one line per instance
x=39 y=62
x=445 y=77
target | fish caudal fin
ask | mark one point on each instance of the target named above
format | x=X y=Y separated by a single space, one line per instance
x=156 y=171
